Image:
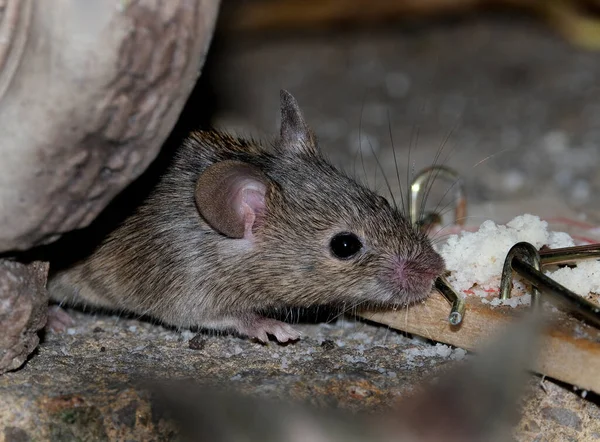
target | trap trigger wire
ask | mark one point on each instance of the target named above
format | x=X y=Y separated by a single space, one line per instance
x=525 y=260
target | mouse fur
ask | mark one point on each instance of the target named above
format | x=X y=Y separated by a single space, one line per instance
x=235 y=229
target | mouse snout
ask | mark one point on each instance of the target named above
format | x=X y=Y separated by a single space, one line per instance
x=407 y=269
x=414 y=276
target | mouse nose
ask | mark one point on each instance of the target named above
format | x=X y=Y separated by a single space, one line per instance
x=407 y=269
x=416 y=274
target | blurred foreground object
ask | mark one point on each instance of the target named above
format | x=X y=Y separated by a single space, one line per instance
x=89 y=91
x=574 y=19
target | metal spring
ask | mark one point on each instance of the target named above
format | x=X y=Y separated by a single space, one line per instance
x=522 y=258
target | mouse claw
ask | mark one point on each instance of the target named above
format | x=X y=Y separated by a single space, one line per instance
x=260 y=328
x=58 y=319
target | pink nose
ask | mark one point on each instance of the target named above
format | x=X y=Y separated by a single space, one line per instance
x=410 y=274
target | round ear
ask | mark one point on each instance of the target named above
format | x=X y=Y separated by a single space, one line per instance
x=230 y=196
x=295 y=135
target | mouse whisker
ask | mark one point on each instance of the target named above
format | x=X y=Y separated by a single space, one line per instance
x=362 y=158
x=410 y=171
x=403 y=208
x=380 y=167
x=431 y=179
x=480 y=162
x=343 y=310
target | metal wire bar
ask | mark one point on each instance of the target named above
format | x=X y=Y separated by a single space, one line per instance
x=528 y=253
x=423 y=181
x=567 y=255
x=457 y=312
x=557 y=292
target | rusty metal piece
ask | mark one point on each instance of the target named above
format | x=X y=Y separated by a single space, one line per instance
x=527 y=253
x=457 y=312
x=567 y=255
x=423 y=182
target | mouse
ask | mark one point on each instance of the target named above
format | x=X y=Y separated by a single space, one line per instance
x=236 y=229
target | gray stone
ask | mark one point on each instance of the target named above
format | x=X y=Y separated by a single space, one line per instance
x=88 y=93
x=14 y=434
x=23 y=309
x=562 y=416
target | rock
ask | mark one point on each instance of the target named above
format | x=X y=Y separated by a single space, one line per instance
x=88 y=383
x=89 y=91
x=563 y=417
x=23 y=309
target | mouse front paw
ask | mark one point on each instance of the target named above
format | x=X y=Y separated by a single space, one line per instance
x=260 y=327
x=58 y=319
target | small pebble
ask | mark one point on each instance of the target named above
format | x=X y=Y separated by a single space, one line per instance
x=328 y=344
x=197 y=342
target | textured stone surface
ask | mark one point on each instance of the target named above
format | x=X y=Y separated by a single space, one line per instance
x=90 y=372
x=557 y=414
x=86 y=382
x=88 y=94
x=23 y=309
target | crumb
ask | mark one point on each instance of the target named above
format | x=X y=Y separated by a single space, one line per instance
x=582 y=279
x=439 y=350
x=284 y=363
x=459 y=354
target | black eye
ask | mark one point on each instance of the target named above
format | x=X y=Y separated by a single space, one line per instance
x=384 y=202
x=345 y=245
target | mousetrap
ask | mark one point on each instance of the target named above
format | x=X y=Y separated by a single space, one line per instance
x=571 y=344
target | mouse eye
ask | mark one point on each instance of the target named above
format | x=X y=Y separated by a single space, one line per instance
x=345 y=245
x=384 y=202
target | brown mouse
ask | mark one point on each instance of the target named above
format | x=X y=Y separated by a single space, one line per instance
x=235 y=229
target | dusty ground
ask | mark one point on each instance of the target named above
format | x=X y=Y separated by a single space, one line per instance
x=507 y=91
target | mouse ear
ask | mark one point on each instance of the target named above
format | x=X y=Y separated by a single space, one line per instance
x=230 y=196
x=295 y=133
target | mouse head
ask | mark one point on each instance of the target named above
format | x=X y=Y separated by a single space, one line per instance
x=308 y=233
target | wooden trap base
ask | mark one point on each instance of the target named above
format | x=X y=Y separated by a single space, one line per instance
x=570 y=349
